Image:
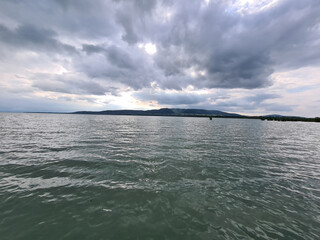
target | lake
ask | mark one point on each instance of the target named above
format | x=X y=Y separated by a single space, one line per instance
x=134 y=177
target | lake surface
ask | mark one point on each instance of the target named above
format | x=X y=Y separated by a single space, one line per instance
x=133 y=177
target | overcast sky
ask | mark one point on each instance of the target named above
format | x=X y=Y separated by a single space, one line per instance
x=244 y=56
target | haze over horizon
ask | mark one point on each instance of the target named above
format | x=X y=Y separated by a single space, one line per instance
x=248 y=57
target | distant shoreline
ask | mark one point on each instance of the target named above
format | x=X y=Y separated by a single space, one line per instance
x=200 y=113
x=197 y=113
x=172 y=112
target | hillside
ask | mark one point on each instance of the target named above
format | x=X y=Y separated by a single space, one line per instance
x=163 y=112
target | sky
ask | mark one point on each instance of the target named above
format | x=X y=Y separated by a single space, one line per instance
x=242 y=56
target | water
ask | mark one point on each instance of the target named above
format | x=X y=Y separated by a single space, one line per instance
x=130 y=177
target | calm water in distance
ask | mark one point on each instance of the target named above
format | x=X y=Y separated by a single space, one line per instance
x=133 y=177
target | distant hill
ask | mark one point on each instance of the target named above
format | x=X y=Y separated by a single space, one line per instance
x=273 y=115
x=164 y=112
x=179 y=112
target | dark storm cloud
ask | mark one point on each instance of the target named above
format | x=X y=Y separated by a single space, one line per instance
x=120 y=58
x=31 y=37
x=128 y=66
x=74 y=18
x=90 y=49
x=137 y=20
x=116 y=56
x=238 y=70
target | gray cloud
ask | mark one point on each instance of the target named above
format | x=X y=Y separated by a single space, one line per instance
x=74 y=18
x=37 y=39
x=138 y=19
x=90 y=49
x=71 y=84
x=127 y=66
x=120 y=58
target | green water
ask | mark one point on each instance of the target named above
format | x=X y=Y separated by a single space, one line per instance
x=129 y=177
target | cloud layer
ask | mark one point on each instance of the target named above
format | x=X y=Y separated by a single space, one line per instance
x=98 y=48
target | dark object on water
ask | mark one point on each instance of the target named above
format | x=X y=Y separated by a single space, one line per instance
x=210 y=118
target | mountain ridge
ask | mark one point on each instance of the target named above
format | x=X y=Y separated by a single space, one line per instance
x=164 y=112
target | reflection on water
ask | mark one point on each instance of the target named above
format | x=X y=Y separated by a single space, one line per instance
x=129 y=177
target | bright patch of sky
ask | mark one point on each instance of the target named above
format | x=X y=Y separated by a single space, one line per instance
x=150 y=48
